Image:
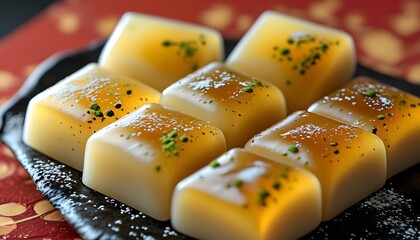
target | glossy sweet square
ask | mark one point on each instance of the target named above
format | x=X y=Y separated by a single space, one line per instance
x=139 y=159
x=241 y=195
x=304 y=59
x=159 y=51
x=60 y=119
x=393 y=115
x=241 y=106
x=349 y=162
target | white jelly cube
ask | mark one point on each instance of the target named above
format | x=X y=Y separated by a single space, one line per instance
x=159 y=51
x=349 y=162
x=304 y=59
x=241 y=195
x=60 y=119
x=139 y=159
x=393 y=115
x=241 y=106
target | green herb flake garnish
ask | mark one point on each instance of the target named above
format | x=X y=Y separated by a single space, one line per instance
x=293 y=148
x=97 y=113
x=175 y=152
x=169 y=142
x=94 y=106
x=302 y=71
x=324 y=47
x=285 y=51
x=167 y=43
x=276 y=185
x=380 y=117
x=238 y=183
x=169 y=145
x=333 y=144
x=187 y=49
x=262 y=197
x=214 y=164
x=184 y=138
x=109 y=113
x=173 y=134
x=370 y=93
x=248 y=89
x=317 y=49
x=256 y=83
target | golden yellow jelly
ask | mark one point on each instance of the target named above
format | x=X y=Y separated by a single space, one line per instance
x=241 y=106
x=159 y=51
x=304 y=59
x=140 y=158
x=60 y=119
x=349 y=162
x=392 y=114
x=241 y=195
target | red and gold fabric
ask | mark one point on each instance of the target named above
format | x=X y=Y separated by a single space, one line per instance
x=387 y=40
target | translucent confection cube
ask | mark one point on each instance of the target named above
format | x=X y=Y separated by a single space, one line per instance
x=349 y=162
x=139 y=159
x=304 y=59
x=60 y=119
x=241 y=106
x=159 y=51
x=392 y=114
x=241 y=195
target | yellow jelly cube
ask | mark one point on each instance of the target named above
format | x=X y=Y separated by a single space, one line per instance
x=159 y=51
x=392 y=114
x=241 y=106
x=349 y=162
x=304 y=59
x=139 y=159
x=60 y=119
x=241 y=195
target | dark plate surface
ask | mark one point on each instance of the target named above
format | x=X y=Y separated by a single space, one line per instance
x=392 y=212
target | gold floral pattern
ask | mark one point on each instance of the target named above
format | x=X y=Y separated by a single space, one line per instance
x=218 y=16
x=7 y=225
x=6 y=170
x=11 y=209
x=394 y=32
x=6 y=79
x=42 y=209
x=105 y=26
x=13 y=213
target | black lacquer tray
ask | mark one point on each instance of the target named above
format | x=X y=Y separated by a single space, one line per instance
x=392 y=212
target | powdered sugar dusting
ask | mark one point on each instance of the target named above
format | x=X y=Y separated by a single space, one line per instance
x=386 y=214
x=305 y=131
x=394 y=211
x=383 y=100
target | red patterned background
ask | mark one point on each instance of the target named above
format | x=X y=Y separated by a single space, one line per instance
x=387 y=39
